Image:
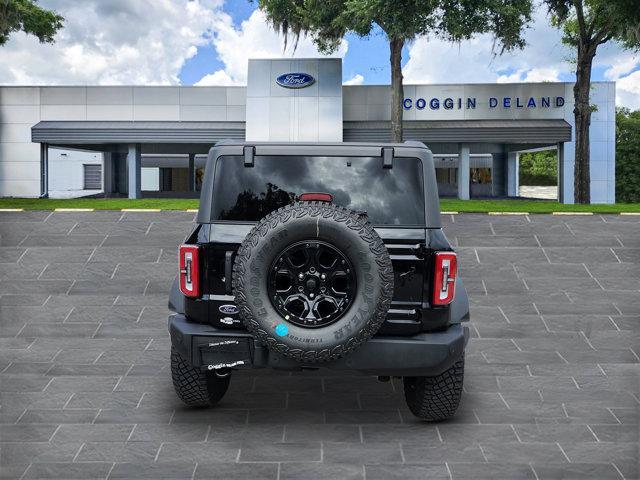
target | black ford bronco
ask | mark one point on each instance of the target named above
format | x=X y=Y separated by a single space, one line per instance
x=308 y=256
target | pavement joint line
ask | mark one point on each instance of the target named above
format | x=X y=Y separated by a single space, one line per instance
x=507 y=213
x=571 y=213
x=73 y=209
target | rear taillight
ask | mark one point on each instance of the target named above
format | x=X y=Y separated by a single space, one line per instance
x=444 y=278
x=190 y=270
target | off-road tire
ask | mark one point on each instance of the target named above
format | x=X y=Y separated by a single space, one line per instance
x=435 y=398
x=196 y=388
x=343 y=228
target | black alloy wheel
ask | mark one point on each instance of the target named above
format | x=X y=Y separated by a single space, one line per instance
x=311 y=284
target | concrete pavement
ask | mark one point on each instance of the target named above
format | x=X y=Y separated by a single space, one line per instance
x=551 y=386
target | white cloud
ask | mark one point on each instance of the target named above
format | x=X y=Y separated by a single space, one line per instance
x=531 y=75
x=628 y=91
x=115 y=42
x=253 y=39
x=219 y=77
x=545 y=58
x=357 y=79
x=434 y=60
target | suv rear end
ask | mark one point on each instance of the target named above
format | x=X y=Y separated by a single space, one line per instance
x=371 y=286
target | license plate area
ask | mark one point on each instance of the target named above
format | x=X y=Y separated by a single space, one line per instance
x=222 y=353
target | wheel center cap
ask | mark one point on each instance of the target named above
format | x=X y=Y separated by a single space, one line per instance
x=311 y=284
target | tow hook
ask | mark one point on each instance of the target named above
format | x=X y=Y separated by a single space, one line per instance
x=222 y=372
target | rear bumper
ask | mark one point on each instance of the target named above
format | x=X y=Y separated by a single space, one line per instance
x=425 y=354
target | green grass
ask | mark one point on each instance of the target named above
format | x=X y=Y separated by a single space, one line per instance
x=99 y=203
x=531 y=206
x=477 y=206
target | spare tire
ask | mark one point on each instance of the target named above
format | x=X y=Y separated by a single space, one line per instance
x=313 y=281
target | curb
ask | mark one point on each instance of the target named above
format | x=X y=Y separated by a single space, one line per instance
x=507 y=213
x=11 y=209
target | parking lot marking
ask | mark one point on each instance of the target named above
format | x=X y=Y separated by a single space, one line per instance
x=11 y=209
x=572 y=213
x=73 y=210
x=140 y=210
x=508 y=213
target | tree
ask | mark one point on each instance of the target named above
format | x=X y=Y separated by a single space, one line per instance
x=627 y=155
x=28 y=17
x=327 y=22
x=587 y=24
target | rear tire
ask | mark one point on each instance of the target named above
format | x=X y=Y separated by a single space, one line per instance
x=435 y=398
x=196 y=388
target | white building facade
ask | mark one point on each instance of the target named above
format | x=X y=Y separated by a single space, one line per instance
x=152 y=141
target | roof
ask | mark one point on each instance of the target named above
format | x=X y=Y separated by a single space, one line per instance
x=436 y=131
x=478 y=131
x=87 y=132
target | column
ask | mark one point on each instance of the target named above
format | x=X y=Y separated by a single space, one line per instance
x=561 y=173
x=192 y=172
x=134 y=170
x=498 y=174
x=513 y=164
x=463 y=171
x=44 y=170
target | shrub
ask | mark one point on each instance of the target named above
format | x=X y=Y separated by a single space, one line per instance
x=627 y=156
x=539 y=168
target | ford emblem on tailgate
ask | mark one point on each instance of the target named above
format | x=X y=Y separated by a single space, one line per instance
x=228 y=309
x=295 y=80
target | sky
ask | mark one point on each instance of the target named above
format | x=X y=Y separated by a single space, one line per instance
x=208 y=42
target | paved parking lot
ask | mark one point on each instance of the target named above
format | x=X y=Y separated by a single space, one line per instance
x=551 y=387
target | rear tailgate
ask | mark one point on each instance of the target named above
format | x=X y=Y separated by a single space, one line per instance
x=406 y=247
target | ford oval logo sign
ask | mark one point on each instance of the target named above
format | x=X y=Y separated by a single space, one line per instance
x=228 y=309
x=295 y=80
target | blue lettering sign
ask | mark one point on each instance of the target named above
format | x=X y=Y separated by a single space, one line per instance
x=546 y=102
x=559 y=101
x=493 y=102
x=407 y=103
x=448 y=103
x=518 y=104
x=434 y=104
x=421 y=103
x=531 y=103
x=471 y=103
x=506 y=102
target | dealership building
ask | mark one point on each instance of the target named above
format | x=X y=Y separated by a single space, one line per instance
x=151 y=141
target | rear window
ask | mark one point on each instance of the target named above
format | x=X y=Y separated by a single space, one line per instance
x=392 y=196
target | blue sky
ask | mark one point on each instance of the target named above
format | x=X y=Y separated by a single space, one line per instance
x=368 y=56
x=208 y=42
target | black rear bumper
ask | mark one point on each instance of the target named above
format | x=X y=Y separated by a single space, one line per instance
x=425 y=354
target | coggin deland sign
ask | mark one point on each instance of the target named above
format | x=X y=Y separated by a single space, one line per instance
x=469 y=103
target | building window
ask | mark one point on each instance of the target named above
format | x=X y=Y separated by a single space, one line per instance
x=92 y=177
x=480 y=175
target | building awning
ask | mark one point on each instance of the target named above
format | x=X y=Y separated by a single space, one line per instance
x=455 y=131
x=67 y=133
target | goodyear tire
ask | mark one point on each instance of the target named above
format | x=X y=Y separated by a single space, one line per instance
x=435 y=398
x=304 y=225
x=194 y=387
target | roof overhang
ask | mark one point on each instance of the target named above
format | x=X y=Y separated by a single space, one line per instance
x=472 y=131
x=59 y=132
